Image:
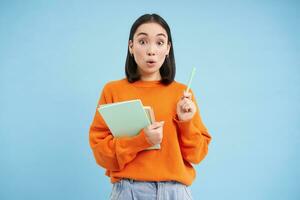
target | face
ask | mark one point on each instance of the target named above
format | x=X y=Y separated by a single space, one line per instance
x=149 y=49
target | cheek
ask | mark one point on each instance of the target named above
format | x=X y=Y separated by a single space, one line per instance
x=163 y=51
x=139 y=50
x=139 y=56
x=162 y=54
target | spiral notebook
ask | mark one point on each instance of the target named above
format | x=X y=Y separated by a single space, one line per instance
x=127 y=118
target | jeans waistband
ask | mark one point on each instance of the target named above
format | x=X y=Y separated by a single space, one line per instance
x=133 y=180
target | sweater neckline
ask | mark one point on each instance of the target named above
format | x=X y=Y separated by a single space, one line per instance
x=141 y=83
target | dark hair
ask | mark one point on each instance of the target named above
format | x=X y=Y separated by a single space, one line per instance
x=167 y=70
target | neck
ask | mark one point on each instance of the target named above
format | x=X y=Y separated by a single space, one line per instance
x=151 y=77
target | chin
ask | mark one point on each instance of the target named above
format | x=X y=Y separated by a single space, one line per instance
x=151 y=70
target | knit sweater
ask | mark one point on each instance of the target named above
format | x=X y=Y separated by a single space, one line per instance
x=184 y=142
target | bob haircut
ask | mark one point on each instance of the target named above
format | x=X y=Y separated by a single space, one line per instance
x=168 y=69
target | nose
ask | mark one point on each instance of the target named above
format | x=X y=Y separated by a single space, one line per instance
x=151 y=50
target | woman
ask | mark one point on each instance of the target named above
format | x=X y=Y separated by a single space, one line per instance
x=137 y=173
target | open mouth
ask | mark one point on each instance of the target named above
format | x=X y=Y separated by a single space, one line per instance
x=150 y=62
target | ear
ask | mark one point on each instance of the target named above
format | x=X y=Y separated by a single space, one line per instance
x=168 y=48
x=130 y=46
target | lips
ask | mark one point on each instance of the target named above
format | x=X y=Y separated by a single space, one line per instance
x=151 y=61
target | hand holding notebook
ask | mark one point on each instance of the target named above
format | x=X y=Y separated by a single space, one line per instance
x=127 y=118
x=154 y=133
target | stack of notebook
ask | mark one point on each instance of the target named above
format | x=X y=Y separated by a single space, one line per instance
x=127 y=118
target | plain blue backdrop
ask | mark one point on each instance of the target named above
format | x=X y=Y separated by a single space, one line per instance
x=55 y=57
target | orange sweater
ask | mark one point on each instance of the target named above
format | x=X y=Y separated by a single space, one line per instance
x=183 y=142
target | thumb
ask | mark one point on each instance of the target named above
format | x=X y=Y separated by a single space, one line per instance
x=157 y=124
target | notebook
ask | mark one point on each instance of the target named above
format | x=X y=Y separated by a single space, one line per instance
x=127 y=118
x=150 y=113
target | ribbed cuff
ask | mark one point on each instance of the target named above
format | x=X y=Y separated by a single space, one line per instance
x=140 y=141
x=184 y=126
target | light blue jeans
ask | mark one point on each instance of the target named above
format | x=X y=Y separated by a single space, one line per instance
x=128 y=189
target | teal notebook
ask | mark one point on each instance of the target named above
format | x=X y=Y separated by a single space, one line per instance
x=126 y=118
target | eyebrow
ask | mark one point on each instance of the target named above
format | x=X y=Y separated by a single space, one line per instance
x=160 y=34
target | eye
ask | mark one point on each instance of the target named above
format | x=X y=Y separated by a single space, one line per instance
x=142 y=42
x=161 y=43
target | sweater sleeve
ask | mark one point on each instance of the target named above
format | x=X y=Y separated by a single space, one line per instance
x=193 y=137
x=109 y=152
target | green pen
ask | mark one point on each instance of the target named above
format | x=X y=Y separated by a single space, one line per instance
x=190 y=80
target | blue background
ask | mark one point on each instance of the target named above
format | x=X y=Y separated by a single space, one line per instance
x=55 y=57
